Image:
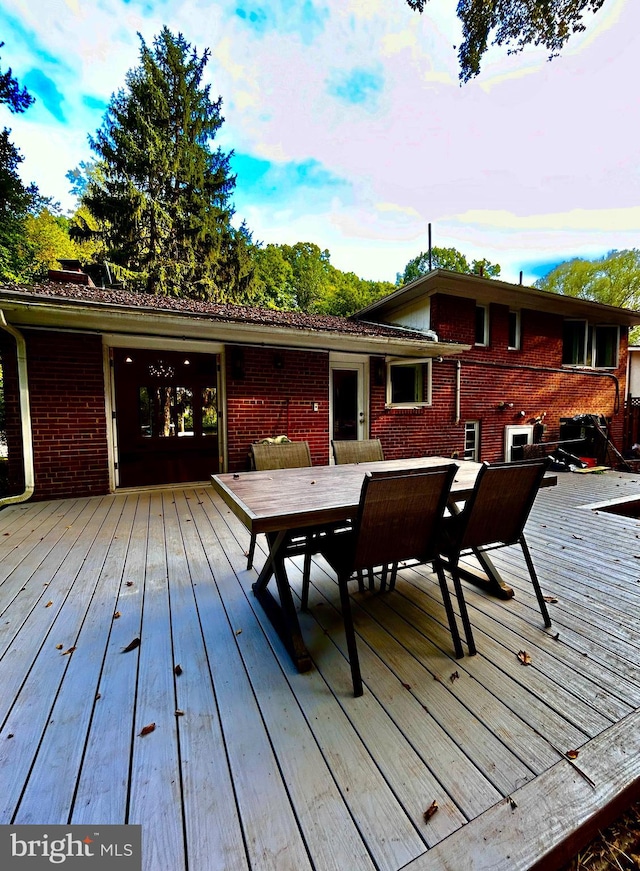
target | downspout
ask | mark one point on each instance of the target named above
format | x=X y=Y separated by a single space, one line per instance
x=25 y=415
x=458 y=389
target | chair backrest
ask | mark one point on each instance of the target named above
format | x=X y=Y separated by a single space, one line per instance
x=357 y=451
x=400 y=513
x=286 y=455
x=501 y=502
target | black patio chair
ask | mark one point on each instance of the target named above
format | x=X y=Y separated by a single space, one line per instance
x=399 y=517
x=494 y=516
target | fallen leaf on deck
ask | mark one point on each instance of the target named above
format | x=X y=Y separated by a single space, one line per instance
x=524 y=657
x=65 y=652
x=129 y=583
x=147 y=729
x=178 y=670
x=238 y=631
x=179 y=713
x=313 y=482
x=407 y=686
x=58 y=646
x=578 y=537
x=550 y=598
x=454 y=676
x=132 y=646
x=116 y=615
x=430 y=811
x=572 y=754
x=49 y=604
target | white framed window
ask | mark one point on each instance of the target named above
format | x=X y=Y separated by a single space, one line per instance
x=482 y=325
x=472 y=440
x=408 y=382
x=514 y=331
x=584 y=344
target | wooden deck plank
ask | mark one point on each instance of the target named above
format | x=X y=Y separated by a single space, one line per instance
x=272 y=841
x=525 y=832
x=30 y=570
x=103 y=785
x=155 y=792
x=212 y=825
x=32 y=674
x=55 y=770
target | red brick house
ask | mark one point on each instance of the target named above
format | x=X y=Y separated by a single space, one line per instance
x=108 y=389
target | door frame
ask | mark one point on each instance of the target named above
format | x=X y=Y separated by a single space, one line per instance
x=163 y=343
x=512 y=430
x=359 y=363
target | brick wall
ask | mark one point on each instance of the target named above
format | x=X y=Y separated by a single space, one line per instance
x=271 y=393
x=495 y=374
x=68 y=414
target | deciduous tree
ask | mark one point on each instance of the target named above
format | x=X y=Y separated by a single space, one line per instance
x=446 y=258
x=515 y=24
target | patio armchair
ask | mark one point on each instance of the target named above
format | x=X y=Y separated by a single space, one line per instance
x=399 y=517
x=494 y=516
x=283 y=455
x=357 y=451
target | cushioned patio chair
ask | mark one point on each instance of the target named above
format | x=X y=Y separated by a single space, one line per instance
x=283 y=455
x=399 y=517
x=357 y=451
x=494 y=516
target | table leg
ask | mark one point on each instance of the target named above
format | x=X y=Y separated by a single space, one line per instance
x=490 y=579
x=282 y=614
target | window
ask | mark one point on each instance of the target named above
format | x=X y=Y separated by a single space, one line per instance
x=586 y=345
x=605 y=347
x=482 y=325
x=514 y=331
x=472 y=440
x=408 y=382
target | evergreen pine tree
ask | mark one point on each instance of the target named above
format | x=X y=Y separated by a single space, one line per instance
x=160 y=193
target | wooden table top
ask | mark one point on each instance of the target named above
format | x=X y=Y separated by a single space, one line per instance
x=291 y=498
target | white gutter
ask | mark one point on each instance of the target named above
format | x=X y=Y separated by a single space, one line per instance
x=25 y=415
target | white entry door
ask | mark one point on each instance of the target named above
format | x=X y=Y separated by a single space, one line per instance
x=347 y=398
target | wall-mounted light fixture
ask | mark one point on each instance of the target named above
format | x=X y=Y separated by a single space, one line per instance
x=502 y=405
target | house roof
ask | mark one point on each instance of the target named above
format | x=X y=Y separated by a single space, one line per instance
x=488 y=290
x=80 y=307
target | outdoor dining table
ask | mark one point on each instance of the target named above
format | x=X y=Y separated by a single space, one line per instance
x=279 y=502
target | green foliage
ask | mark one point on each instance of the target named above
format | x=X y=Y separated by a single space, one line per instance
x=310 y=273
x=515 y=24
x=273 y=278
x=301 y=277
x=613 y=279
x=18 y=99
x=48 y=237
x=16 y=254
x=159 y=194
x=446 y=258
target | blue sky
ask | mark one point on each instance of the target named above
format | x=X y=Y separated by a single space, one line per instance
x=351 y=130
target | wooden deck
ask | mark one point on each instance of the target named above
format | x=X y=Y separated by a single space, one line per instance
x=254 y=766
